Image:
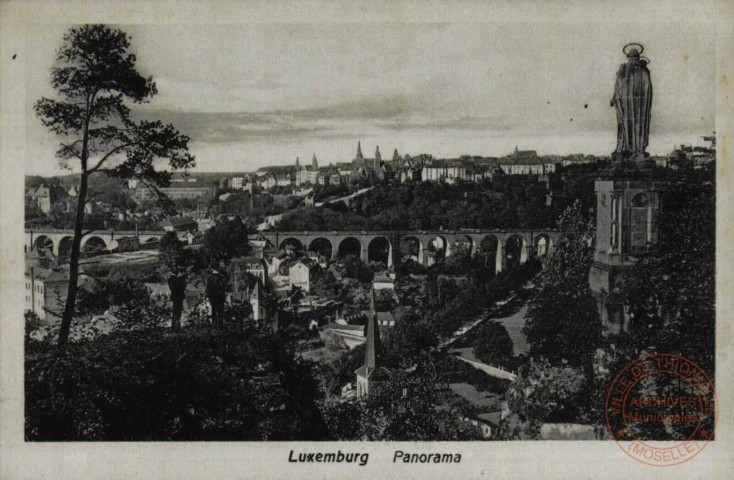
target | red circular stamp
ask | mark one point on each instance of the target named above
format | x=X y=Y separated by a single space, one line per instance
x=661 y=409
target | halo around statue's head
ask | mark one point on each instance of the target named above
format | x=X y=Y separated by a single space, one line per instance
x=642 y=57
x=639 y=52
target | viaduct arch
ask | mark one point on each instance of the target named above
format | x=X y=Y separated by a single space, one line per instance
x=59 y=240
x=373 y=245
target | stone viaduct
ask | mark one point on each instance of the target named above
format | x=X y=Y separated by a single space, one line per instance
x=425 y=246
x=60 y=240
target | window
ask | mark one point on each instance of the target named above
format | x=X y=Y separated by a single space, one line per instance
x=639 y=200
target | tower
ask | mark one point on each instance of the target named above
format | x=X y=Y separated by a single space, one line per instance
x=298 y=162
x=371 y=372
x=314 y=162
x=359 y=151
x=257 y=300
x=395 y=156
x=376 y=162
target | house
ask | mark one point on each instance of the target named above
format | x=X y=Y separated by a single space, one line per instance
x=180 y=224
x=188 y=237
x=338 y=179
x=237 y=183
x=45 y=292
x=382 y=281
x=46 y=195
x=41 y=257
x=128 y=244
x=526 y=162
x=443 y=171
x=257 y=267
x=301 y=273
x=322 y=178
x=317 y=258
x=274 y=262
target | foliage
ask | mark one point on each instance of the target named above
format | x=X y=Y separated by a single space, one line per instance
x=354 y=268
x=402 y=407
x=541 y=394
x=673 y=284
x=408 y=339
x=226 y=240
x=512 y=202
x=405 y=408
x=32 y=326
x=563 y=320
x=201 y=384
x=175 y=258
x=492 y=344
x=101 y=294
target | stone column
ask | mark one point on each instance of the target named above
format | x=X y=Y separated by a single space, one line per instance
x=500 y=258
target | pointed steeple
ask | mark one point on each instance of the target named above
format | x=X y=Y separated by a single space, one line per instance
x=298 y=162
x=314 y=162
x=372 y=347
x=395 y=156
x=257 y=292
x=516 y=150
x=359 y=150
x=377 y=160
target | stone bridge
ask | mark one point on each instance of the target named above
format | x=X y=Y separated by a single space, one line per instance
x=424 y=246
x=60 y=240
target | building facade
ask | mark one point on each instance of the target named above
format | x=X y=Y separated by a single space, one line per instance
x=45 y=293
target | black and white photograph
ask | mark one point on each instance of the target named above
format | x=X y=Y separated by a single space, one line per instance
x=370 y=230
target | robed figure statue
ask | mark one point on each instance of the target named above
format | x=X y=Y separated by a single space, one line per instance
x=633 y=101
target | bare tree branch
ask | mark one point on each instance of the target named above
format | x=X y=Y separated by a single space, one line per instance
x=109 y=154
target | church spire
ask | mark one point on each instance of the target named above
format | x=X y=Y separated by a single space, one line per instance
x=395 y=156
x=298 y=162
x=314 y=162
x=371 y=352
x=359 y=150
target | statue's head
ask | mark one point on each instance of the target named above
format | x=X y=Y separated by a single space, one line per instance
x=633 y=50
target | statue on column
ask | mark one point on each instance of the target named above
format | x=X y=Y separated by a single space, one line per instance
x=633 y=101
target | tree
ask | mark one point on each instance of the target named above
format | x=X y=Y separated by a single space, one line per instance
x=95 y=78
x=673 y=284
x=409 y=338
x=224 y=241
x=493 y=344
x=542 y=393
x=563 y=320
x=171 y=253
x=405 y=407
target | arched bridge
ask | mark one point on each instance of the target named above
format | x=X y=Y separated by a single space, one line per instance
x=424 y=246
x=60 y=240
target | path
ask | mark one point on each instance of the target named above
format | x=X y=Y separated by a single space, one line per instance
x=345 y=198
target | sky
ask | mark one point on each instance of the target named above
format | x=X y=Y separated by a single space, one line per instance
x=265 y=94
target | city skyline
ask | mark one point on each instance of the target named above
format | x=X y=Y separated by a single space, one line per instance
x=446 y=90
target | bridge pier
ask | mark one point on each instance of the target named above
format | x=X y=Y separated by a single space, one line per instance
x=525 y=254
x=500 y=259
